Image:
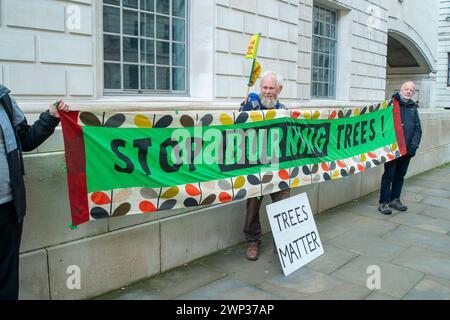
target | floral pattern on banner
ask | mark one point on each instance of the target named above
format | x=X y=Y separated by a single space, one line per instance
x=185 y=119
x=141 y=200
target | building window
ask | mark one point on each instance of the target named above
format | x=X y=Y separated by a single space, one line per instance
x=145 y=46
x=448 y=70
x=323 y=82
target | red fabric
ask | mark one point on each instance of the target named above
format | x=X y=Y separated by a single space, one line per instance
x=76 y=166
x=398 y=127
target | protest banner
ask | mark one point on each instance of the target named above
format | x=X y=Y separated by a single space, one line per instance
x=141 y=162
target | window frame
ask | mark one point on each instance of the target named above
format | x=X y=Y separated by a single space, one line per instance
x=146 y=92
x=448 y=69
x=333 y=61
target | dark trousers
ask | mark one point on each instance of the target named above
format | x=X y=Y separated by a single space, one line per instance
x=393 y=177
x=252 y=227
x=10 y=234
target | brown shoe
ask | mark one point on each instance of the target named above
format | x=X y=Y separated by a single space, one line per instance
x=252 y=251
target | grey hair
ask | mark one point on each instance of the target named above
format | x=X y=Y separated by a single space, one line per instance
x=278 y=78
x=407 y=82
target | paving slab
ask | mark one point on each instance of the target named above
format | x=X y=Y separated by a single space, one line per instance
x=428 y=290
x=339 y=214
x=371 y=226
x=233 y=262
x=408 y=196
x=133 y=292
x=363 y=244
x=332 y=225
x=422 y=222
x=421 y=238
x=332 y=259
x=436 y=202
x=169 y=284
x=395 y=281
x=370 y=208
x=425 y=260
x=375 y=295
x=228 y=289
x=371 y=211
x=329 y=230
x=437 y=192
x=442 y=281
x=306 y=284
x=413 y=207
x=438 y=213
x=368 y=224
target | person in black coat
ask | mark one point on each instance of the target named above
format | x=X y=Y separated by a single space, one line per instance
x=16 y=136
x=395 y=170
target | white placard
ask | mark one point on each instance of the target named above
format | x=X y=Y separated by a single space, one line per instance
x=295 y=232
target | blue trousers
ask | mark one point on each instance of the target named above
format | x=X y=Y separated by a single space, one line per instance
x=393 y=177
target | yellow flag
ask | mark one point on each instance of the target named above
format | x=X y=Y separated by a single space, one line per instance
x=255 y=73
x=252 y=47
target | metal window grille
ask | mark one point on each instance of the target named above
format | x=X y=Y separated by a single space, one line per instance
x=323 y=70
x=448 y=71
x=145 y=46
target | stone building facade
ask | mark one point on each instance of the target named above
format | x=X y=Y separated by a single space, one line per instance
x=189 y=54
x=59 y=48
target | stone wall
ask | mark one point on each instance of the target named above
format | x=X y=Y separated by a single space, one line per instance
x=53 y=49
x=286 y=28
x=43 y=54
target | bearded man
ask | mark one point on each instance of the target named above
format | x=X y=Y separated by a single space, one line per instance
x=270 y=88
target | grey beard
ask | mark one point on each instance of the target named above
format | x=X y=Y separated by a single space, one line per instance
x=269 y=103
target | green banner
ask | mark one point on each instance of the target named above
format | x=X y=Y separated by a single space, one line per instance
x=162 y=157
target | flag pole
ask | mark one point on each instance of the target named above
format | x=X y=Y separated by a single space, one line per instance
x=249 y=84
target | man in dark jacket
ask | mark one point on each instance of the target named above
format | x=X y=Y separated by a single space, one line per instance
x=270 y=87
x=395 y=171
x=16 y=136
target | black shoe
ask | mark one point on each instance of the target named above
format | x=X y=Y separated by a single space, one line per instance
x=384 y=208
x=397 y=205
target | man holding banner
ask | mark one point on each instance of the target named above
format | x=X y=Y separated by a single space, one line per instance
x=17 y=136
x=395 y=171
x=270 y=87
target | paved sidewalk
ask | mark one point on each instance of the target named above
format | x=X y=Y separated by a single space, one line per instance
x=412 y=250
